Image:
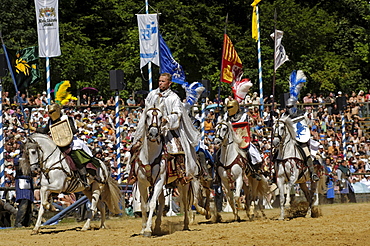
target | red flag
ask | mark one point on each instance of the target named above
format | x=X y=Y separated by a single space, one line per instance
x=232 y=68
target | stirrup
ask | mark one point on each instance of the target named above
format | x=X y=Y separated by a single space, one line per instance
x=207 y=177
x=315 y=177
x=185 y=180
x=132 y=180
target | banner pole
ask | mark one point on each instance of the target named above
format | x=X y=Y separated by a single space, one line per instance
x=118 y=140
x=2 y=164
x=259 y=62
x=150 y=63
x=344 y=137
x=13 y=77
x=273 y=97
x=48 y=84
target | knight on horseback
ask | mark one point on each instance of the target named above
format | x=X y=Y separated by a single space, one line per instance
x=303 y=142
x=235 y=116
x=63 y=130
x=300 y=122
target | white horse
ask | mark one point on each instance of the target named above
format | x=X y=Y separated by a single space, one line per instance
x=290 y=167
x=150 y=167
x=40 y=152
x=234 y=169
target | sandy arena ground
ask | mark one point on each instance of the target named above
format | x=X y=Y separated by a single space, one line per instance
x=340 y=224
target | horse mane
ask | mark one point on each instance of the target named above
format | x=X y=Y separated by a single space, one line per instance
x=232 y=135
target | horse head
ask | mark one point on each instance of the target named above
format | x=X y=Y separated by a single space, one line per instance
x=31 y=156
x=154 y=123
x=283 y=131
x=222 y=133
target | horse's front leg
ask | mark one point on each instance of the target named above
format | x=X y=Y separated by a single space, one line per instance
x=310 y=197
x=44 y=204
x=158 y=189
x=198 y=196
x=238 y=187
x=158 y=220
x=96 y=191
x=248 y=201
x=143 y=190
x=185 y=197
x=101 y=206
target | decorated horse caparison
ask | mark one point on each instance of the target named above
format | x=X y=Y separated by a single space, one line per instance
x=40 y=152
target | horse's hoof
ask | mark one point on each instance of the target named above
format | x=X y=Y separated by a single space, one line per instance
x=208 y=216
x=34 y=232
x=147 y=234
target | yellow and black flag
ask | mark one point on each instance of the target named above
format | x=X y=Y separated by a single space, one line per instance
x=25 y=65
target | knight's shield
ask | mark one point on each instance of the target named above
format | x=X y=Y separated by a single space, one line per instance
x=61 y=133
x=242 y=129
x=302 y=130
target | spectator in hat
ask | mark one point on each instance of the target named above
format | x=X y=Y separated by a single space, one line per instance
x=211 y=114
x=350 y=151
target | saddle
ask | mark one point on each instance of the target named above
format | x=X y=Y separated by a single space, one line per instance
x=301 y=151
x=70 y=157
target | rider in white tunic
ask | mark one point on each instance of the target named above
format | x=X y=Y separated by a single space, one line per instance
x=234 y=115
x=180 y=135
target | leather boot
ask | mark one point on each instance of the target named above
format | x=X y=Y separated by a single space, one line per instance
x=314 y=176
x=83 y=177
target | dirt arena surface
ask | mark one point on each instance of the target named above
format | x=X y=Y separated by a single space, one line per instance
x=340 y=224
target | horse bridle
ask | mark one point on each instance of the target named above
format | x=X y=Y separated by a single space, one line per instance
x=155 y=123
x=40 y=161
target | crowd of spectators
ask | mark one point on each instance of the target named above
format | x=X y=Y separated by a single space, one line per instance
x=95 y=118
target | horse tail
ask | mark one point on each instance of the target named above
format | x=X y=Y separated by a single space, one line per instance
x=112 y=196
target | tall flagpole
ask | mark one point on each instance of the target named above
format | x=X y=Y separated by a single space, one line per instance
x=150 y=63
x=118 y=139
x=273 y=93
x=48 y=80
x=259 y=61
x=344 y=137
x=222 y=60
x=2 y=163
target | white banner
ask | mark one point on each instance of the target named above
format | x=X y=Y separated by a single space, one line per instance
x=48 y=27
x=148 y=37
x=280 y=54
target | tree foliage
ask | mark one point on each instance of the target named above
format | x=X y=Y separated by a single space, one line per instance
x=328 y=40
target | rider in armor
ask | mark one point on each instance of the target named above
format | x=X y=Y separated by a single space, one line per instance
x=77 y=149
x=294 y=113
x=235 y=116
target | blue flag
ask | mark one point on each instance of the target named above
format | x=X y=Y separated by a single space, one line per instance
x=168 y=64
